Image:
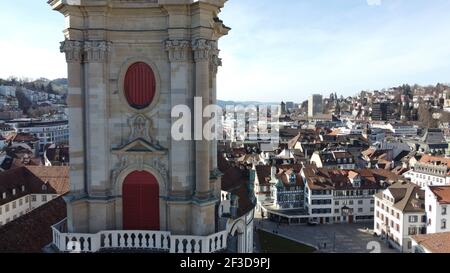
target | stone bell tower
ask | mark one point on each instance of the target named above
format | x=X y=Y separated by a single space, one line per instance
x=129 y=63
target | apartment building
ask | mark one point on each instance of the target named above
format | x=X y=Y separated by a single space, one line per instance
x=430 y=171
x=333 y=160
x=341 y=196
x=47 y=132
x=437 y=205
x=400 y=213
x=26 y=188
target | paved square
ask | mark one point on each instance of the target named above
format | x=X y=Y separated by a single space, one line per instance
x=337 y=238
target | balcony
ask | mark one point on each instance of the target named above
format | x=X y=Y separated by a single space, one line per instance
x=128 y=240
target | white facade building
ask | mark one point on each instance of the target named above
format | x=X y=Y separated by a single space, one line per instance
x=430 y=171
x=437 y=205
x=48 y=132
x=8 y=91
x=24 y=189
x=339 y=196
x=400 y=213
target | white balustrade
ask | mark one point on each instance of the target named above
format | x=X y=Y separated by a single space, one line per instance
x=144 y=240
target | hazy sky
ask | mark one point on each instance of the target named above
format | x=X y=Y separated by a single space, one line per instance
x=277 y=50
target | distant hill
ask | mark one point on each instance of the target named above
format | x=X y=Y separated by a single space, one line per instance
x=223 y=103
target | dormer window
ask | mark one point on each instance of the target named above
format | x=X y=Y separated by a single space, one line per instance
x=44 y=187
x=4 y=195
x=293 y=178
x=23 y=188
x=14 y=191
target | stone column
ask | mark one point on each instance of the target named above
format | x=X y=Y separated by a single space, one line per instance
x=97 y=150
x=215 y=63
x=181 y=152
x=202 y=49
x=74 y=53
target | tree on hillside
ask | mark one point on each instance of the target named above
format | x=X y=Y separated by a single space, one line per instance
x=49 y=89
x=24 y=103
x=425 y=115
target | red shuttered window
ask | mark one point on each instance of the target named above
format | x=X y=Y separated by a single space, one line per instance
x=140 y=85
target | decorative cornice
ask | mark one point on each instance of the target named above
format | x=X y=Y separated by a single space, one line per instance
x=96 y=51
x=202 y=49
x=178 y=50
x=73 y=50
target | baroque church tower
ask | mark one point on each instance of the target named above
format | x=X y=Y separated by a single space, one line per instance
x=129 y=63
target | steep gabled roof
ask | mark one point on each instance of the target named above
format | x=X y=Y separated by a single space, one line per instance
x=32 y=232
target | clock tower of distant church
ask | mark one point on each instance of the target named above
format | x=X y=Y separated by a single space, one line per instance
x=129 y=63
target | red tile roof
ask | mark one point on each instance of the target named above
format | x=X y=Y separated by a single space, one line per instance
x=428 y=159
x=33 y=178
x=324 y=178
x=442 y=193
x=31 y=232
x=435 y=243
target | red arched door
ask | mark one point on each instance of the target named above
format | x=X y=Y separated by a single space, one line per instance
x=140 y=201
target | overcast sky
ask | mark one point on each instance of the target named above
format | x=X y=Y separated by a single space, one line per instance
x=277 y=50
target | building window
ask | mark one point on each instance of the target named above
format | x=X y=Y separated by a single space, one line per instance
x=429 y=208
x=140 y=85
x=350 y=202
x=360 y=202
x=44 y=198
x=336 y=203
x=413 y=219
x=33 y=198
x=443 y=224
x=360 y=210
x=336 y=211
x=6 y=207
x=444 y=210
x=412 y=231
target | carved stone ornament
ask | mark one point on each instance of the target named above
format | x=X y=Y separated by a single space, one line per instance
x=215 y=60
x=73 y=50
x=202 y=49
x=96 y=51
x=178 y=50
x=160 y=166
x=140 y=126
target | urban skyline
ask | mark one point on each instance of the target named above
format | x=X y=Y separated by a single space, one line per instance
x=322 y=47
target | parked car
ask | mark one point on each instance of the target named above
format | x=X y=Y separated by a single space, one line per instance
x=313 y=221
